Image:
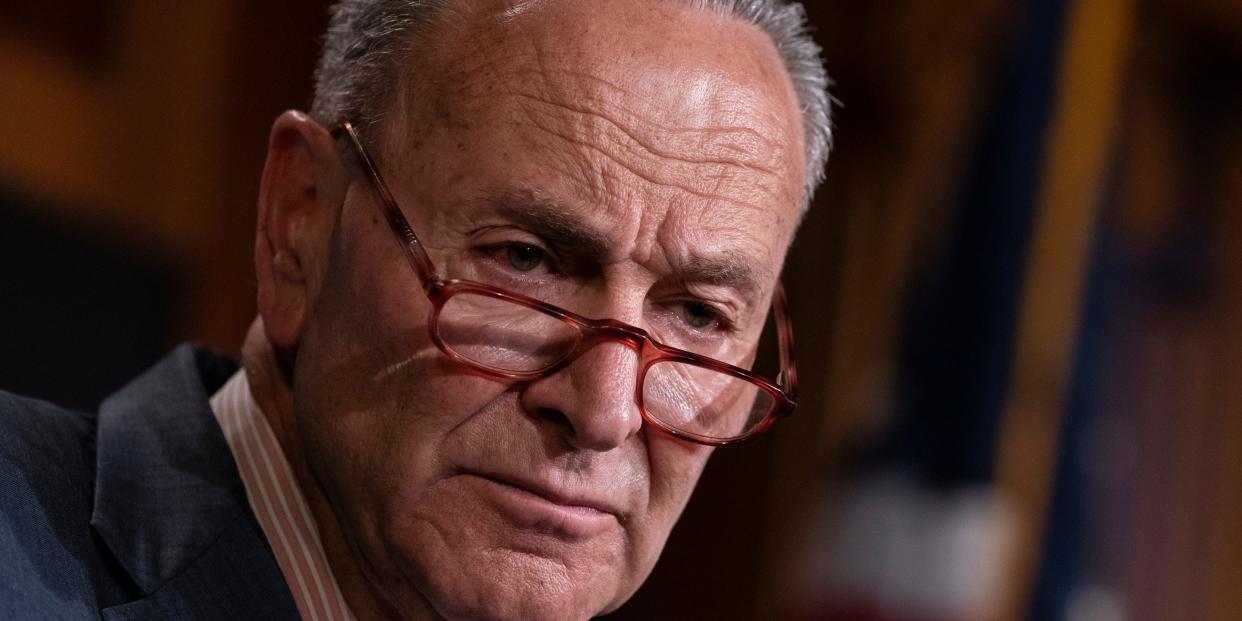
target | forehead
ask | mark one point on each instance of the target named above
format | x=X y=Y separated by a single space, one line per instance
x=661 y=122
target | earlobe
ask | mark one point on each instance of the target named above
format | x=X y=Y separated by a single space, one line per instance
x=297 y=197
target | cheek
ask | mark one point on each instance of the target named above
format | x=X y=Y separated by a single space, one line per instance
x=374 y=436
x=675 y=470
x=374 y=398
x=366 y=359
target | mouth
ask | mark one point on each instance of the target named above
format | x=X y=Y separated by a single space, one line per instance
x=544 y=508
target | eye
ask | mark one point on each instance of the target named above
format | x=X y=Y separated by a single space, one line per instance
x=699 y=315
x=524 y=257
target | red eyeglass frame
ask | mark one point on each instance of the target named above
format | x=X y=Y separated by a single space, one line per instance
x=590 y=332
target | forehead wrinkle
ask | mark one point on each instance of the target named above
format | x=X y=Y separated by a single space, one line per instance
x=719 y=150
x=576 y=90
x=715 y=181
x=586 y=111
x=585 y=95
x=478 y=81
x=545 y=51
x=722 y=124
x=578 y=117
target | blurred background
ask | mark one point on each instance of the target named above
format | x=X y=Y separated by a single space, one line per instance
x=1018 y=297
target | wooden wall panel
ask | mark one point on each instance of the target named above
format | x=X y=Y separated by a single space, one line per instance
x=156 y=137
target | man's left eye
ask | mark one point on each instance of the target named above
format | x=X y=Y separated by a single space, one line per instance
x=699 y=315
x=525 y=257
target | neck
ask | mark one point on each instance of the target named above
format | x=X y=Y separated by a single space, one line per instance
x=271 y=386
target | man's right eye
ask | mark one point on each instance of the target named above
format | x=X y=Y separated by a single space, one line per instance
x=517 y=259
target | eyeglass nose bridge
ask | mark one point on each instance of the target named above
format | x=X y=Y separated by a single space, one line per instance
x=611 y=331
x=598 y=332
x=592 y=333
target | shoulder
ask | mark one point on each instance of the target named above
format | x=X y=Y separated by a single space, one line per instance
x=43 y=448
x=35 y=432
x=46 y=481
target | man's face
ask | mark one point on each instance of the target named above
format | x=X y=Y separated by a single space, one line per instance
x=640 y=161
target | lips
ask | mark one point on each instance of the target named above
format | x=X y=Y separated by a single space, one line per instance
x=535 y=506
x=572 y=501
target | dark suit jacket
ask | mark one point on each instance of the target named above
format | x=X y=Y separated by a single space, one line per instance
x=136 y=512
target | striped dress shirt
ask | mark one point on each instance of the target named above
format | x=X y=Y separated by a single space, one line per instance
x=278 y=503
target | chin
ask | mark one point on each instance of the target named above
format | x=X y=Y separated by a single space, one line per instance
x=507 y=584
x=522 y=591
x=472 y=567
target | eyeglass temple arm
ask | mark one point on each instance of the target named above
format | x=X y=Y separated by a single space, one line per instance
x=784 y=327
x=414 y=250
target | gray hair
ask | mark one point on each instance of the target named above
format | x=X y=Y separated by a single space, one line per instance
x=367 y=39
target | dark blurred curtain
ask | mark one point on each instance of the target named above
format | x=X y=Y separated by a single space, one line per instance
x=79 y=315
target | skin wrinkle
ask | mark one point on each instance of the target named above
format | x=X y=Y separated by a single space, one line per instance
x=519 y=7
x=659 y=174
x=483 y=91
x=641 y=174
x=484 y=97
x=656 y=128
x=612 y=107
x=470 y=90
x=659 y=158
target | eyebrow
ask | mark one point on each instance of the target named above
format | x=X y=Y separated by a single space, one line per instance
x=728 y=269
x=553 y=221
x=550 y=220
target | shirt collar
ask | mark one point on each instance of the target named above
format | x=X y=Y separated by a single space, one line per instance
x=277 y=502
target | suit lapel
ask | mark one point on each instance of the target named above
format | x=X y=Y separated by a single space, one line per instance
x=170 y=504
x=234 y=578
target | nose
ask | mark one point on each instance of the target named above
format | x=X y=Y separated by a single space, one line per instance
x=592 y=397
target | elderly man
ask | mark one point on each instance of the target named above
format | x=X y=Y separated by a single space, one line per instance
x=512 y=274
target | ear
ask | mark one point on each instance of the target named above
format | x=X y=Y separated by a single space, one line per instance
x=302 y=188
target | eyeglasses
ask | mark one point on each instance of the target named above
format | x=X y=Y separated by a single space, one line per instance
x=512 y=336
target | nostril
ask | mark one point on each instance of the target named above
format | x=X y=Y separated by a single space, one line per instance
x=556 y=417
